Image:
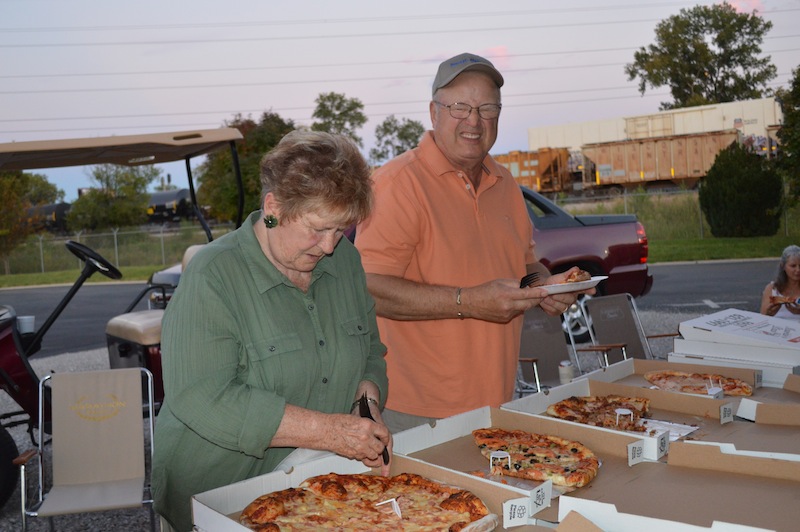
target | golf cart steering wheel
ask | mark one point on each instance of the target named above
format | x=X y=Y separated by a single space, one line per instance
x=93 y=259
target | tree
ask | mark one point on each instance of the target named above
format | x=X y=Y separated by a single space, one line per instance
x=217 y=186
x=394 y=137
x=742 y=194
x=21 y=191
x=39 y=191
x=789 y=134
x=119 y=199
x=706 y=54
x=338 y=114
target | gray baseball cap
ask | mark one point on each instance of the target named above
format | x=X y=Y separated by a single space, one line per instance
x=454 y=66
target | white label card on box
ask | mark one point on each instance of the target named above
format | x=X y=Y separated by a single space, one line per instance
x=517 y=512
x=635 y=452
x=715 y=392
x=726 y=413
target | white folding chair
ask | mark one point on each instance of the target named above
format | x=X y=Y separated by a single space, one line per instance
x=98 y=444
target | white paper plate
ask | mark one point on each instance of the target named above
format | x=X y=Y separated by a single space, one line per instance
x=573 y=287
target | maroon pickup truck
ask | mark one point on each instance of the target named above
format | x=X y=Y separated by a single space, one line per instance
x=613 y=245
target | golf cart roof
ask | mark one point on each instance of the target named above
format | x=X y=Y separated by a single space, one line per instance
x=129 y=150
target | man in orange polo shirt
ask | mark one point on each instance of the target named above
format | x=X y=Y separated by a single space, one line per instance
x=444 y=251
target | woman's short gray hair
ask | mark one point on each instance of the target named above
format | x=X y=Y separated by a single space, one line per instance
x=314 y=171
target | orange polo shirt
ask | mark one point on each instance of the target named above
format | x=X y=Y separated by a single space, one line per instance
x=430 y=226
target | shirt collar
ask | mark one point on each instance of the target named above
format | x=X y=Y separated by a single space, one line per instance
x=264 y=273
x=441 y=165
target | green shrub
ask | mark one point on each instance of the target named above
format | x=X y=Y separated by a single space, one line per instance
x=742 y=195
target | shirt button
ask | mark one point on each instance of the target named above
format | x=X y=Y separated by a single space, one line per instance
x=324 y=380
x=322 y=342
x=272 y=348
x=311 y=307
x=360 y=328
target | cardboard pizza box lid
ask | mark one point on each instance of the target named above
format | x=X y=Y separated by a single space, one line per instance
x=744 y=328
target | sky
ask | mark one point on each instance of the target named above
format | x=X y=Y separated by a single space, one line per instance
x=90 y=68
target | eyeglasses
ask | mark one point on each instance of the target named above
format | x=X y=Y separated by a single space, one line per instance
x=487 y=111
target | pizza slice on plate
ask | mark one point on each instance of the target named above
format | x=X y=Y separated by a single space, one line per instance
x=578 y=276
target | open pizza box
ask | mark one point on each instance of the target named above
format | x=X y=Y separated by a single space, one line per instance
x=776 y=406
x=449 y=444
x=650 y=446
x=631 y=372
x=738 y=338
x=700 y=488
x=684 y=416
x=219 y=509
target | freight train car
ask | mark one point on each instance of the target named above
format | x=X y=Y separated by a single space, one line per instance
x=544 y=170
x=657 y=162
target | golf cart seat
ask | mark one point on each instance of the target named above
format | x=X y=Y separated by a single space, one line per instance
x=134 y=338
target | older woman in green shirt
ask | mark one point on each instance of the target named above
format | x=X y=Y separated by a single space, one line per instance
x=271 y=334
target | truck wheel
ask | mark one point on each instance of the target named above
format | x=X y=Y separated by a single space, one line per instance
x=573 y=320
x=8 y=471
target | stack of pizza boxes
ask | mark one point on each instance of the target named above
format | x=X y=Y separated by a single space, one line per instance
x=705 y=460
x=739 y=338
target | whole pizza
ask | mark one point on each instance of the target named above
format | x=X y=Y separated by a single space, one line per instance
x=364 y=502
x=681 y=381
x=610 y=411
x=538 y=457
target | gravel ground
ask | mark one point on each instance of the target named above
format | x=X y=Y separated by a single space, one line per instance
x=139 y=519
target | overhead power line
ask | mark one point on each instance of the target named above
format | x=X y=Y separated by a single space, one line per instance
x=317 y=36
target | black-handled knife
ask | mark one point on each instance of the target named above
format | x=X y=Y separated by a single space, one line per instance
x=363 y=411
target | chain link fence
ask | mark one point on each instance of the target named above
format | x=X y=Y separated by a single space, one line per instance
x=149 y=246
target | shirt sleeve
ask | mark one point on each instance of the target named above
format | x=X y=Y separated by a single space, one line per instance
x=387 y=247
x=201 y=360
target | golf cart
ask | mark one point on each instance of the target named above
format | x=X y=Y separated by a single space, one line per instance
x=133 y=338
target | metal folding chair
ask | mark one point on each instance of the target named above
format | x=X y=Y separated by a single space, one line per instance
x=614 y=322
x=542 y=349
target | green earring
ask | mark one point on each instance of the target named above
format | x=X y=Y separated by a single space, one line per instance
x=270 y=221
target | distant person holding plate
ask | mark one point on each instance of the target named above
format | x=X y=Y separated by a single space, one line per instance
x=780 y=297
